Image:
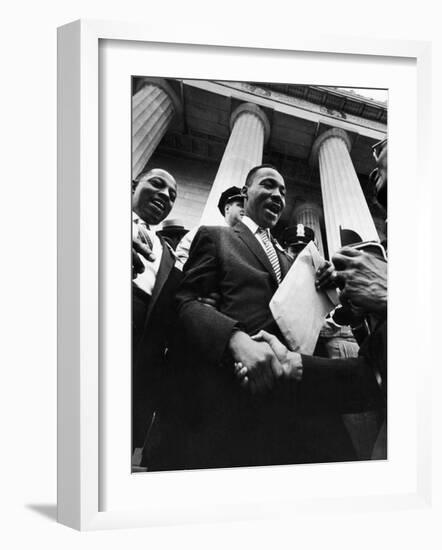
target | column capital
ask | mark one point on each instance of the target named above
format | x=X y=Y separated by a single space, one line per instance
x=331 y=133
x=163 y=85
x=251 y=109
x=301 y=207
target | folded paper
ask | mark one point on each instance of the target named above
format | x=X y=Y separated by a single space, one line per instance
x=298 y=307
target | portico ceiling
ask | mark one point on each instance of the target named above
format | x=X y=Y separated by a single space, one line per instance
x=204 y=126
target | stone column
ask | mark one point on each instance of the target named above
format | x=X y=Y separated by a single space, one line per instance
x=344 y=202
x=309 y=214
x=250 y=129
x=154 y=106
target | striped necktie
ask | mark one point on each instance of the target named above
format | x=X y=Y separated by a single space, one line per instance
x=271 y=252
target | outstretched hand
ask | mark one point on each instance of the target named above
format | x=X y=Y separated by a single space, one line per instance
x=327 y=277
x=365 y=279
x=278 y=348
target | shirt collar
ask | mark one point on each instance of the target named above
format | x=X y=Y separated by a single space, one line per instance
x=252 y=225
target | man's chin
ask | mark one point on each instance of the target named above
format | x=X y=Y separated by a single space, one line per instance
x=155 y=218
x=271 y=220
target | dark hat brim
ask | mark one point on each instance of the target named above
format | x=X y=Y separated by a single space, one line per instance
x=235 y=198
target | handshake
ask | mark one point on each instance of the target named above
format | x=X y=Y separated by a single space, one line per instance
x=261 y=360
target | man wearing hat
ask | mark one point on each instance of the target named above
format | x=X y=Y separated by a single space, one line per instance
x=231 y=206
x=153 y=288
x=172 y=231
x=296 y=237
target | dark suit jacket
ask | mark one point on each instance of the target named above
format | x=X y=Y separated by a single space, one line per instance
x=152 y=321
x=234 y=264
x=215 y=422
x=350 y=383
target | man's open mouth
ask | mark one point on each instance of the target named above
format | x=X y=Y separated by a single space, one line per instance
x=274 y=207
x=159 y=205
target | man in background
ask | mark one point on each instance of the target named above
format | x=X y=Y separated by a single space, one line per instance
x=231 y=206
x=172 y=231
x=296 y=237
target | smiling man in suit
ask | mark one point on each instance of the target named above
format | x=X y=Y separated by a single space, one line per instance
x=213 y=421
x=212 y=418
x=153 y=287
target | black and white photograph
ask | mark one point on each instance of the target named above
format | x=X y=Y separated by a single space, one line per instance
x=259 y=274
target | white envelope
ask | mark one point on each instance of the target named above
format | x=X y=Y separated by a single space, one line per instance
x=297 y=307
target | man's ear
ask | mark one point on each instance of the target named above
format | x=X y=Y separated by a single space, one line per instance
x=244 y=191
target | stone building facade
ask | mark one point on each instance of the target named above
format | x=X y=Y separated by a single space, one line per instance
x=209 y=134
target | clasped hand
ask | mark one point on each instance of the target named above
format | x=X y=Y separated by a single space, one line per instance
x=261 y=360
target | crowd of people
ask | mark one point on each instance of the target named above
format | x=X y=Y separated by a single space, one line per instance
x=214 y=383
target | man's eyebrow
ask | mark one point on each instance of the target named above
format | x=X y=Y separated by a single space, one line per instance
x=274 y=180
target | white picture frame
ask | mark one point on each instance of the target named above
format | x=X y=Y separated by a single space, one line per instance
x=79 y=294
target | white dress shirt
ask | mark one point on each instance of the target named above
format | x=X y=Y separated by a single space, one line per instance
x=146 y=280
x=183 y=248
x=254 y=228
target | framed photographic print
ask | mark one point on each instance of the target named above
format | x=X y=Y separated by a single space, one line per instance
x=169 y=411
x=194 y=144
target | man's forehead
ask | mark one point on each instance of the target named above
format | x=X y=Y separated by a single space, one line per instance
x=239 y=202
x=268 y=174
x=159 y=173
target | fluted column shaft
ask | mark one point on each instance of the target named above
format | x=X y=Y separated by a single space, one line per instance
x=344 y=202
x=308 y=214
x=153 y=108
x=249 y=131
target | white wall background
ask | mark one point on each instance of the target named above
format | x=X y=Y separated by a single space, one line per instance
x=28 y=272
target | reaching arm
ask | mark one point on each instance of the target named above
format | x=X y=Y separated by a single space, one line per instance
x=365 y=277
x=361 y=276
x=338 y=385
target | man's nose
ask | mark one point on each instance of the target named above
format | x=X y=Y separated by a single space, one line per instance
x=277 y=194
x=164 y=193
